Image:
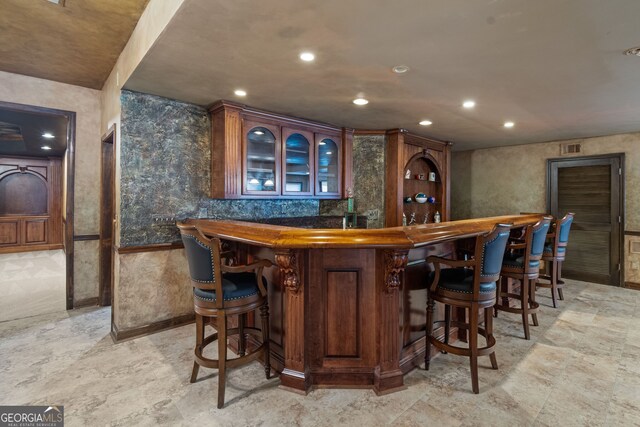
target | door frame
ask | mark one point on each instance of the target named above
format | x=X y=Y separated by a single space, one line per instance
x=552 y=182
x=70 y=155
x=108 y=138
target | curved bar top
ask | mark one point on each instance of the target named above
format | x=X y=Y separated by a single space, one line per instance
x=408 y=237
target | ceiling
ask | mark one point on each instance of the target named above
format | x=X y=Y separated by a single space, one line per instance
x=76 y=44
x=21 y=133
x=554 y=67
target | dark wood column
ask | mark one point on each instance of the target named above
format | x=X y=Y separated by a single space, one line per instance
x=294 y=375
x=391 y=265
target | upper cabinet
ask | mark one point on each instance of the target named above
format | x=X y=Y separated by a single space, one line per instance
x=258 y=154
x=417 y=178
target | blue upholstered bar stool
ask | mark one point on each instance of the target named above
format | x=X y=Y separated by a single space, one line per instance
x=243 y=290
x=554 y=254
x=522 y=262
x=470 y=284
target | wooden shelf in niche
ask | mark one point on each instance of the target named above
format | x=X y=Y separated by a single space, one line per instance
x=420 y=155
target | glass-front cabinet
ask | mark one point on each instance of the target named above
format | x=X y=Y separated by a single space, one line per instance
x=261 y=162
x=298 y=162
x=257 y=153
x=328 y=165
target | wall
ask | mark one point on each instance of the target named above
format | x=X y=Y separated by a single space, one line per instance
x=165 y=170
x=86 y=104
x=368 y=180
x=509 y=180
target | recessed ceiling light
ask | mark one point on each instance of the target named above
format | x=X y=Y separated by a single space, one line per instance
x=48 y=135
x=400 y=69
x=240 y=92
x=469 y=104
x=509 y=124
x=307 y=56
x=329 y=153
x=45 y=147
x=258 y=132
x=360 y=101
x=426 y=123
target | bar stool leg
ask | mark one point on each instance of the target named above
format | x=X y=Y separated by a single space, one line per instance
x=447 y=324
x=264 y=316
x=429 y=332
x=242 y=342
x=532 y=298
x=473 y=346
x=558 y=280
x=199 y=340
x=524 y=306
x=554 y=282
x=222 y=356
x=488 y=327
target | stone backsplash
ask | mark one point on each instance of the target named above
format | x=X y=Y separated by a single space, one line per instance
x=368 y=180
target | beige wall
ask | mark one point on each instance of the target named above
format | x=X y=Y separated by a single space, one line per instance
x=86 y=104
x=141 y=281
x=508 y=180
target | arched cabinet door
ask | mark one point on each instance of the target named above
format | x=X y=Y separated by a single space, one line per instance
x=261 y=159
x=298 y=163
x=328 y=165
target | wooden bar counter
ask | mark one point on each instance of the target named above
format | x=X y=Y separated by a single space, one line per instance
x=348 y=306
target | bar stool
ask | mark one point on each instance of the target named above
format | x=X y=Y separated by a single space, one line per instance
x=470 y=285
x=243 y=290
x=522 y=262
x=554 y=254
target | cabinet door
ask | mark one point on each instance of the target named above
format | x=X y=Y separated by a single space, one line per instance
x=261 y=159
x=297 y=162
x=328 y=165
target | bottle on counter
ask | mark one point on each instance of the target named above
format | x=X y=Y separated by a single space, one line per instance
x=436 y=217
x=349 y=199
x=404 y=219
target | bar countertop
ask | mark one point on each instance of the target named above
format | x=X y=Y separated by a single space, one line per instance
x=407 y=237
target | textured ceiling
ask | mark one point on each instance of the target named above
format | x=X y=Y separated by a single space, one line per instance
x=28 y=139
x=554 y=67
x=76 y=44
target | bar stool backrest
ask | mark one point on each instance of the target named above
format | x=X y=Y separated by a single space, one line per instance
x=203 y=256
x=563 y=227
x=539 y=236
x=491 y=247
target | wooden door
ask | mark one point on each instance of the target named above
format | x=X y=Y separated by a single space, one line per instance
x=107 y=219
x=590 y=187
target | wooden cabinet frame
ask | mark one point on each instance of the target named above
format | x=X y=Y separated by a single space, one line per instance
x=338 y=140
x=402 y=148
x=247 y=125
x=229 y=124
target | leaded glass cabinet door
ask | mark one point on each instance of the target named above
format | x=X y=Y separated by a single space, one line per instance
x=328 y=165
x=261 y=159
x=298 y=163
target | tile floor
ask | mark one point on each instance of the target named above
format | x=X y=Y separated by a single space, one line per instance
x=43 y=287
x=581 y=367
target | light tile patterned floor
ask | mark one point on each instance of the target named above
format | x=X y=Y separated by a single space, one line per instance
x=581 y=367
x=32 y=283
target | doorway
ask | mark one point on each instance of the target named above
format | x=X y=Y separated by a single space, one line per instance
x=107 y=219
x=29 y=133
x=592 y=188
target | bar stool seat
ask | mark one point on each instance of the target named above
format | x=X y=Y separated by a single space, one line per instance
x=554 y=254
x=243 y=289
x=471 y=285
x=522 y=263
